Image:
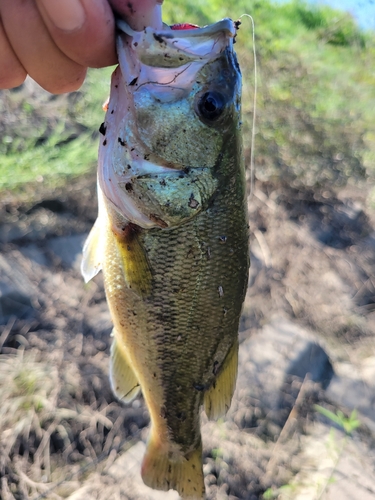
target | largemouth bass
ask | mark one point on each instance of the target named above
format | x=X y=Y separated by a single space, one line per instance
x=172 y=236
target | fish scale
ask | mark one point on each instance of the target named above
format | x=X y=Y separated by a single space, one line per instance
x=185 y=313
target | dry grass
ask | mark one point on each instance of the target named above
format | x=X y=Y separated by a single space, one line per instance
x=33 y=426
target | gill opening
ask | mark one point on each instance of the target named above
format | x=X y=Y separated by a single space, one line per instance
x=252 y=163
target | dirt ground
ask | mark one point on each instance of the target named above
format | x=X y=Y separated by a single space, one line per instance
x=311 y=291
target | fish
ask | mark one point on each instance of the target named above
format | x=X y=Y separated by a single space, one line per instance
x=172 y=236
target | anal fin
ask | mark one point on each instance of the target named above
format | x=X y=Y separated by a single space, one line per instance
x=218 y=397
x=164 y=469
x=123 y=380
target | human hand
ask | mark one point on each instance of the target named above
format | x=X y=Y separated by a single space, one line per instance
x=55 y=41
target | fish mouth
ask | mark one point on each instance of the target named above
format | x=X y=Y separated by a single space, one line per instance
x=172 y=48
x=168 y=60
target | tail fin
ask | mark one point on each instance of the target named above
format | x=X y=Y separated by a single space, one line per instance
x=164 y=469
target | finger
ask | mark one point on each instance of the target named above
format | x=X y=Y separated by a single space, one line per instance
x=139 y=13
x=35 y=49
x=12 y=73
x=82 y=29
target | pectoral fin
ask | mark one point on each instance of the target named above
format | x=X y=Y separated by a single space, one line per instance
x=92 y=253
x=137 y=272
x=218 y=397
x=123 y=380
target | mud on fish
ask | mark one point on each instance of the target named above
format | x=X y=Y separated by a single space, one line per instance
x=171 y=236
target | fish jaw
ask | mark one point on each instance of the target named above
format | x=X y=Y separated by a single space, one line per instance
x=127 y=151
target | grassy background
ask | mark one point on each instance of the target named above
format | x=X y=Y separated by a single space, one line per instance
x=315 y=103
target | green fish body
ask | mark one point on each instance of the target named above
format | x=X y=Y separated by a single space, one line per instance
x=172 y=238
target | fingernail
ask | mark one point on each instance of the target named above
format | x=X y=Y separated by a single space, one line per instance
x=67 y=15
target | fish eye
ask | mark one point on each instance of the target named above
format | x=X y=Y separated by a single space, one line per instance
x=211 y=105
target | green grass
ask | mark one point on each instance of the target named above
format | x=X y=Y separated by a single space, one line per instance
x=315 y=103
x=348 y=424
x=52 y=143
x=49 y=161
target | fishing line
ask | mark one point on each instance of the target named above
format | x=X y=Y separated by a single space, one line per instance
x=252 y=165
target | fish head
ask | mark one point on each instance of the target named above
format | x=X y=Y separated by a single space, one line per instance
x=174 y=106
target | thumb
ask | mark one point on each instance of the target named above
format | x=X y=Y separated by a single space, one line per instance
x=139 y=13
